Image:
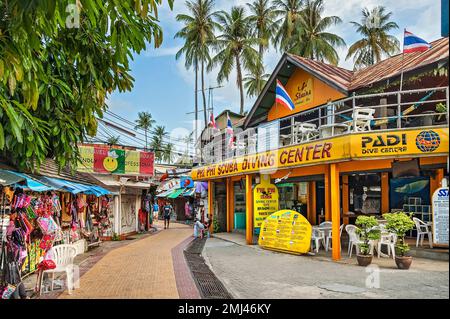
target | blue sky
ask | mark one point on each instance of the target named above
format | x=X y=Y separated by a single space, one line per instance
x=165 y=88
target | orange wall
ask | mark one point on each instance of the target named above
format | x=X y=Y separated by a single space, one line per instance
x=321 y=94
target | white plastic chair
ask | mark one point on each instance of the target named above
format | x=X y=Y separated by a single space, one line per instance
x=362 y=118
x=304 y=132
x=354 y=240
x=327 y=233
x=422 y=230
x=389 y=240
x=63 y=256
x=329 y=239
x=316 y=238
x=80 y=246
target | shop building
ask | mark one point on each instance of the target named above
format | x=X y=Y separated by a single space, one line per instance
x=355 y=143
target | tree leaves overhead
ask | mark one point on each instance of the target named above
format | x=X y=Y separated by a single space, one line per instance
x=55 y=75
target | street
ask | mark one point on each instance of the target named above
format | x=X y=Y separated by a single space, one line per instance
x=251 y=272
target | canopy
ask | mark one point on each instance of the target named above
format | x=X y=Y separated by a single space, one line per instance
x=188 y=192
x=165 y=194
x=176 y=193
x=8 y=178
x=32 y=184
x=76 y=188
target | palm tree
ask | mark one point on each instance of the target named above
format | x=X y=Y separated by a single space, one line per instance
x=168 y=154
x=157 y=142
x=145 y=122
x=288 y=25
x=198 y=32
x=376 y=41
x=254 y=83
x=262 y=19
x=235 y=48
x=313 y=40
x=113 y=140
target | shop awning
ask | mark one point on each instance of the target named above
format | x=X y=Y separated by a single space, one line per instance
x=165 y=194
x=188 y=192
x=33 y=184
x=76 y=188
x=8 y=178
x=176 y=193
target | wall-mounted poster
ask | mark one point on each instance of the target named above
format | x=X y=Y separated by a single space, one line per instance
x=286 y=231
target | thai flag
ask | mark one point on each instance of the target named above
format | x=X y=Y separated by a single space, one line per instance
x=413 y=43
x=229 y=125
x=212 y=122
x=230 y=132
x=283 y=97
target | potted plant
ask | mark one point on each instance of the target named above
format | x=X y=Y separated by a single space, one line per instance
x=399 y=224
x=367 y=231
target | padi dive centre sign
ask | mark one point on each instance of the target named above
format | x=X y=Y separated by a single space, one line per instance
x=440 y=216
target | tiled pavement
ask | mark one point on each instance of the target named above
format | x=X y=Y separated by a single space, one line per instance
x=152 y=267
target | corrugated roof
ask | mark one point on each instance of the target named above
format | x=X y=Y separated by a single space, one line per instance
x=388 y=68
x=393 y=66
x=339 y=76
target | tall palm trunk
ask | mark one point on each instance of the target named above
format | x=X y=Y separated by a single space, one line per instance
x=146 y=145
x=261 y=46
x=239 y=80
x=203 y=93
x=196 y=100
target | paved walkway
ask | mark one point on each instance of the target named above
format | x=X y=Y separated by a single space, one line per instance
x=142 y=269
x=252 y=272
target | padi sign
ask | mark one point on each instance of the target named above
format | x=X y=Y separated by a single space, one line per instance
x=384 y=144
x=440 y=216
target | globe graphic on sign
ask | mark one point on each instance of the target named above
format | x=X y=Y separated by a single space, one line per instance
x=428 y=141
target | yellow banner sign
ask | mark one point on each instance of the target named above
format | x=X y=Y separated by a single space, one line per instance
x=265 y=200
x=286 y=231
x=397 y=143
x=354 y=146
x=315 y=152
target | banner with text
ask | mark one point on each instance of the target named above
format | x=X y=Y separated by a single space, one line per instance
x=103 y=160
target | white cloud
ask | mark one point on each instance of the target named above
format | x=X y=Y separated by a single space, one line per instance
x=160 y=52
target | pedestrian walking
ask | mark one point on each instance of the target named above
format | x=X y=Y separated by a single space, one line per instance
x=167 y=209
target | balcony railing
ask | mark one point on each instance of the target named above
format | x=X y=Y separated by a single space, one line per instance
x=358 y=113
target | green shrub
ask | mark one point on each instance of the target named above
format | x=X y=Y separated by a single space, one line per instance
x=367 y=231
x=399 y=224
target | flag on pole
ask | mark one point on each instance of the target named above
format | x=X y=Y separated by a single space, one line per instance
x=230 y=131
x=412 y=43
x=212 y=122
x=229 y=125
x=283 y=97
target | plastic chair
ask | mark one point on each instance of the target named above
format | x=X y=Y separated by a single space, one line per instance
x=316 y=237
x=327 y=233
x=389 y=240
x=362 y=118
x=304 y=132
x=80 y=246
x=422 y=230
x=63 y=256
x=329 y=239
x=354 y=240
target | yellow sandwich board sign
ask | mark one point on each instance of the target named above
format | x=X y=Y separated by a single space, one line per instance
x=286 y=231
x=265 y=200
